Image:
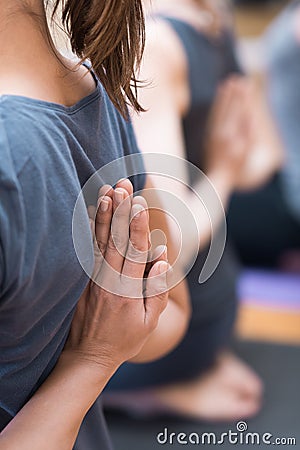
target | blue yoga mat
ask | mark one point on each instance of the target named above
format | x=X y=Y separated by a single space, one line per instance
x=272 y=289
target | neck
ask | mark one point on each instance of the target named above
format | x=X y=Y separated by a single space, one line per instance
x=30 y=65
x=23 y=31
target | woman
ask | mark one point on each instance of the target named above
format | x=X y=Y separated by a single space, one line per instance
x=58 y=127
x=200 y=108
x=270 y=216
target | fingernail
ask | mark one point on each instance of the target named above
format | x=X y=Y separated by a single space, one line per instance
x=162 y=249
x=104 y=190
x=159 y=251
x=163 y=267
x=104 y=205
x=136 y=211
x=118 y=196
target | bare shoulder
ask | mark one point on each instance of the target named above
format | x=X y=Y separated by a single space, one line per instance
x=165 y=64
x=51 y=80
x=164 y=47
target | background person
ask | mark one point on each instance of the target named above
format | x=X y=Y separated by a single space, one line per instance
x=201 y=109
x=189 y=55
x=264 y=224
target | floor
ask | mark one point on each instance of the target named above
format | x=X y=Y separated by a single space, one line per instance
x=268 y=325
x=277 y=365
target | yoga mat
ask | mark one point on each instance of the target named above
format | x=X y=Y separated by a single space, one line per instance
x=271 y=289
x=278 y=365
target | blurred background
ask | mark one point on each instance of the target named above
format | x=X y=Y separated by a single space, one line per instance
x=270 y=300
x=267 y=332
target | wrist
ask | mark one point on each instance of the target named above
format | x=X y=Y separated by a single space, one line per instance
x=223 y=182
x=95 y=373
x=223 y=178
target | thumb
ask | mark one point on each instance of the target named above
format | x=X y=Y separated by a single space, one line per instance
x=156 y=291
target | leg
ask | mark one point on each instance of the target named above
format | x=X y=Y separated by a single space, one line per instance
x=261 y=226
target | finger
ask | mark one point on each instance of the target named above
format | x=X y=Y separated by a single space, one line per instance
x=119 y=196
x=123 y=183
x=156 y=292
x=241 y=113
x=223 y=99
x=119 y=233
x=103 y=222
x=106 y=190
x=155 y=256
x=126 y=184
x=235 y=109
x=138 y=245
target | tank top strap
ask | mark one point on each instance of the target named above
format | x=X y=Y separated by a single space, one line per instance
x=194 y=44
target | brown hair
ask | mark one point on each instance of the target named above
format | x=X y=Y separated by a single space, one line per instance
x=111 y=34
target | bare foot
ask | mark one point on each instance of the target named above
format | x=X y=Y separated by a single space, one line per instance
x=229 y=391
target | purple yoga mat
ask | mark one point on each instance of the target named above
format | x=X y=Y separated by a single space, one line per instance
x=271 y=289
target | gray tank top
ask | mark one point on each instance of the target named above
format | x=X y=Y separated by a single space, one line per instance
x=210 y=61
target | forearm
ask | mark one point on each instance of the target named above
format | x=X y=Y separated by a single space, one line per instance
x=52 y=417
x=207 y=204
x=223 y=183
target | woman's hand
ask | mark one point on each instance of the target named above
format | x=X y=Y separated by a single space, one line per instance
x=110 y=326
x=230 y=131
x=119 y=309
x=243 y=148
x=266 y=155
